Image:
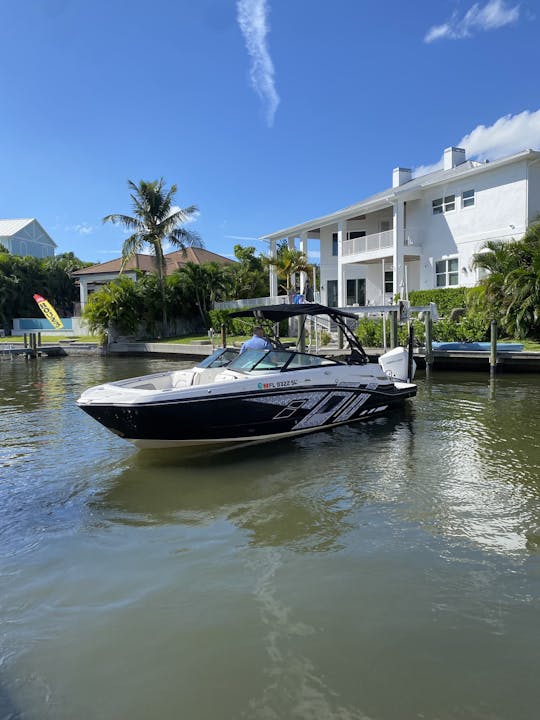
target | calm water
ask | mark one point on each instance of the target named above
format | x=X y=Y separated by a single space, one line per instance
x=382 y=571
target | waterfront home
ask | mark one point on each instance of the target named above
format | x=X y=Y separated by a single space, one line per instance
x=422 y=232
x=92 y=278
x=25 y=236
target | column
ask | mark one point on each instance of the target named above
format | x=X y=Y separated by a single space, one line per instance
x=341 y=236
x=303 y=249
x=291 y=244
x=273 y=270
x=398 y=250
x=83 y=292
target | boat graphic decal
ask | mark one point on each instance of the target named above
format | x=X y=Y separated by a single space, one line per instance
x=349 y=410
x=289 y=410
x=323 y=411
x=309 y=399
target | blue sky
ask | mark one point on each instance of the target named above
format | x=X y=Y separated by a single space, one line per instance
x=265 y=113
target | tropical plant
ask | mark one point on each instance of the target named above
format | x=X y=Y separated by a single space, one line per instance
x=288 y=262
x=248 y=278
x=156 y=221
x=511 y=290
x=207 y=283
x=115 y=308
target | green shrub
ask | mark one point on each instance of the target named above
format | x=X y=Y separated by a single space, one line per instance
x=445 y=298
x=370 y=332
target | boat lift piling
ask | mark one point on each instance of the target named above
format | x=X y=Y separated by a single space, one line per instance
x=493 y=348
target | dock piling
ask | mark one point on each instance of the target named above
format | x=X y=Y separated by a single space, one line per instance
x=428 y=323
x=493 y=349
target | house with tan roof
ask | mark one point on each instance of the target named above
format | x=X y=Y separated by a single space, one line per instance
x=92 y=278
x=25 y=236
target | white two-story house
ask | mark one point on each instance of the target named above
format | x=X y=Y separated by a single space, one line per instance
x=422 y=232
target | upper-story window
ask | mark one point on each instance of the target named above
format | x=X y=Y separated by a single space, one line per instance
x=445 y=204
x=447 y=272
x=334 y=244
x=467 y=198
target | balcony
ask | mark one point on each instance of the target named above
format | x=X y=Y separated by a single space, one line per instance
x=379 y=241
x=368 y=243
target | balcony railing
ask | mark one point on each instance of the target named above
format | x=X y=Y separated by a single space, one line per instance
x=368 y=243
x=379 y=241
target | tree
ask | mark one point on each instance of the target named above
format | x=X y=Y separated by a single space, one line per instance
x=511 y=290
x=207 y=284
x=116 y=307
x=155 y=221
x=288 y=262
x=248 y=278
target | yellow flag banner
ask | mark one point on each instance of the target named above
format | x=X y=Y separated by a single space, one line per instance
x=49 y=312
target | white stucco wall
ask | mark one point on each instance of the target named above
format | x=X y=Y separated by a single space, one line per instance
x=500 y=211
x=534 y=193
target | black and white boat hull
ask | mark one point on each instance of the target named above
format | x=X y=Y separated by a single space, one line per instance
x=254 y=396
x=210 y=416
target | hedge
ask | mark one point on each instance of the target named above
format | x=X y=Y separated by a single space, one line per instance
x=446 y=299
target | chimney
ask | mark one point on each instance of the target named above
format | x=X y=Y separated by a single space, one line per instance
x=453 y=156
x=400 y=176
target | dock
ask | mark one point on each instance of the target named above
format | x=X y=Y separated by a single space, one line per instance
x=522 y=361
x=12 y=350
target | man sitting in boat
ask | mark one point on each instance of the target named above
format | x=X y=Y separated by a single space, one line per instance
x=257 y=341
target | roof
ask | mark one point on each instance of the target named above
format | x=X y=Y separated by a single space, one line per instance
x=12 y=226
x=416 y=185
x=146 y=263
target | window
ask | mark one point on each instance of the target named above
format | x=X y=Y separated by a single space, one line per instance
x=385 y=225
x=356 y=291
x=467 y=198
x=446 y=272
x=388 y=281
x=445 y=204
x=334 y=244
x=356 y=234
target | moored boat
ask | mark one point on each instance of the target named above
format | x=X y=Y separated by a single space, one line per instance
x=253 y=396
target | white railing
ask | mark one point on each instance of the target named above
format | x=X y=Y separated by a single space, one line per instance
x=256 y=302
x=380 y=241
x=368 y=243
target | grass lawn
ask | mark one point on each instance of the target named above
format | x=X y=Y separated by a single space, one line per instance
x=51 y=339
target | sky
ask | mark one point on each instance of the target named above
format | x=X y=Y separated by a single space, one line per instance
x=264 y=113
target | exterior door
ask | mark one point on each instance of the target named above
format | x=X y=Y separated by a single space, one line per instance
x=356 y=291
x=331 y=293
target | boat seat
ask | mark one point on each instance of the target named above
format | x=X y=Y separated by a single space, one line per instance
x=182 y=378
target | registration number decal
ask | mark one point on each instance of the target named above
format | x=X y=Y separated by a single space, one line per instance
x=278 y=384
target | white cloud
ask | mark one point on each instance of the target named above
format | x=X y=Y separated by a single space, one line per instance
x=495 y=14
x=81 y=228
x=252 y=16
x=508 y=135
x=241 y=237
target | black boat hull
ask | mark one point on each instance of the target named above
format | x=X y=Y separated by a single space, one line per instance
x=240 y=418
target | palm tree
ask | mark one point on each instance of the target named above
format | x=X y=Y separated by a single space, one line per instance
x=512 y=288
x=156 y=221
x=288 y=262
x=207 y=283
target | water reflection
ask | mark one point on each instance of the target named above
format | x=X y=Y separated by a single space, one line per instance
x=296 y=493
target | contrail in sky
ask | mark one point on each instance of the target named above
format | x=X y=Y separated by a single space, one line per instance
x=252 y=18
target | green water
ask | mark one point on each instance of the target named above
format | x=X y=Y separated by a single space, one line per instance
x=382 y=571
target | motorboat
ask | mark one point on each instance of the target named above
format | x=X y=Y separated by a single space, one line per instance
x=237 y=397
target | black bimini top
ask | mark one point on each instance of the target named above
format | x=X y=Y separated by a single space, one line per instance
x=275 y=313
x=287 y=310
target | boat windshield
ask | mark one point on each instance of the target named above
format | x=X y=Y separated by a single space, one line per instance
x=276 y=360
x=219 y=358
